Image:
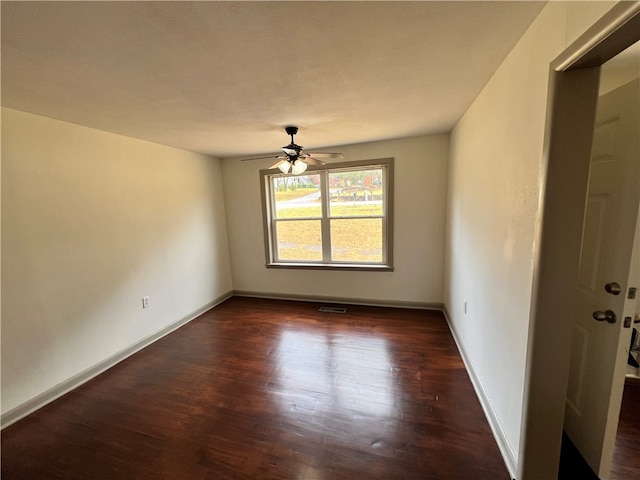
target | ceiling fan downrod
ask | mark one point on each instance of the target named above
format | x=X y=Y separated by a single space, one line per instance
x=292 y=150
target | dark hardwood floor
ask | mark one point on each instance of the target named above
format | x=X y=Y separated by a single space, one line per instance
x=267 y=389
x=626 y=456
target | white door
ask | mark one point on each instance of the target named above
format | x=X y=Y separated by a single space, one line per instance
x=598 y=358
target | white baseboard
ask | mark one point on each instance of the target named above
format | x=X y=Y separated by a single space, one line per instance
x=503 y=444
x=341 y=300
x=66 y=386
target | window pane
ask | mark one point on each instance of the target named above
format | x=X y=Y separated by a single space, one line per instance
x=356 y=240
x=297 y=197
x=299 y=240
x=356 y=193
x=343 y=203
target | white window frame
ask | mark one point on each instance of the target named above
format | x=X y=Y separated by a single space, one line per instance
x=268 y=207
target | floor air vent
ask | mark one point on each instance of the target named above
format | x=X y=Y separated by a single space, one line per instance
x=333 y=309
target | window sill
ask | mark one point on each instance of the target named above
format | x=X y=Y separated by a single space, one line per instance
x=332 y=266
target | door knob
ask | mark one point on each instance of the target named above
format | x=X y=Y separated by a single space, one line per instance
x=613 y=288
x=609 y=316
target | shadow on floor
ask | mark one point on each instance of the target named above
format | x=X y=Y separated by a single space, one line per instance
x=572 y=465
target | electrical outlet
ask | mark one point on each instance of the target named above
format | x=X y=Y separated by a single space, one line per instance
x=145 y=302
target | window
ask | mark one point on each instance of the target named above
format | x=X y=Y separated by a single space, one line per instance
x=335 y=216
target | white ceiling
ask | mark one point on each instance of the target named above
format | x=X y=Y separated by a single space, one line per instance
x=224 y=78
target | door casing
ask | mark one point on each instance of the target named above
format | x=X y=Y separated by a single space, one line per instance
x=573 y=93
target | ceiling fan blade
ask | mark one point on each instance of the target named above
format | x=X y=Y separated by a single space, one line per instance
x=263 y=158
x=325 y=154
x=277 y=164
x=313 y=161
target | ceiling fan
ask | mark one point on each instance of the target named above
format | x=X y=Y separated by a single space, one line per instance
x=294 y=158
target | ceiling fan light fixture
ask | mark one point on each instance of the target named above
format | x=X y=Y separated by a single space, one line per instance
x=285 y=166
x=298 y=167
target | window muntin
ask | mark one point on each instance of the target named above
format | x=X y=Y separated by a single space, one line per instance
x=337 y=215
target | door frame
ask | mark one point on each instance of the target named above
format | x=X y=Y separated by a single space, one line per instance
x=573 y=92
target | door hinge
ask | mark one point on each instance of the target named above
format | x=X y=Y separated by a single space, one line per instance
x=632 y=293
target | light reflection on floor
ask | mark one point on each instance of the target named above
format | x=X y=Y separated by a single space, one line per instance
x=335 y=374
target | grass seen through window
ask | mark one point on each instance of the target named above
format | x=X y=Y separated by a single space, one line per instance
x=352 y=240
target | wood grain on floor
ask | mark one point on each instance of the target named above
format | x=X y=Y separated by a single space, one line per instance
x=268 y=389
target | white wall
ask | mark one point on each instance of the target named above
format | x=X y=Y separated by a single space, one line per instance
x=495 y=174
x=420 y=196
x=91 y=222
x=618 y=75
